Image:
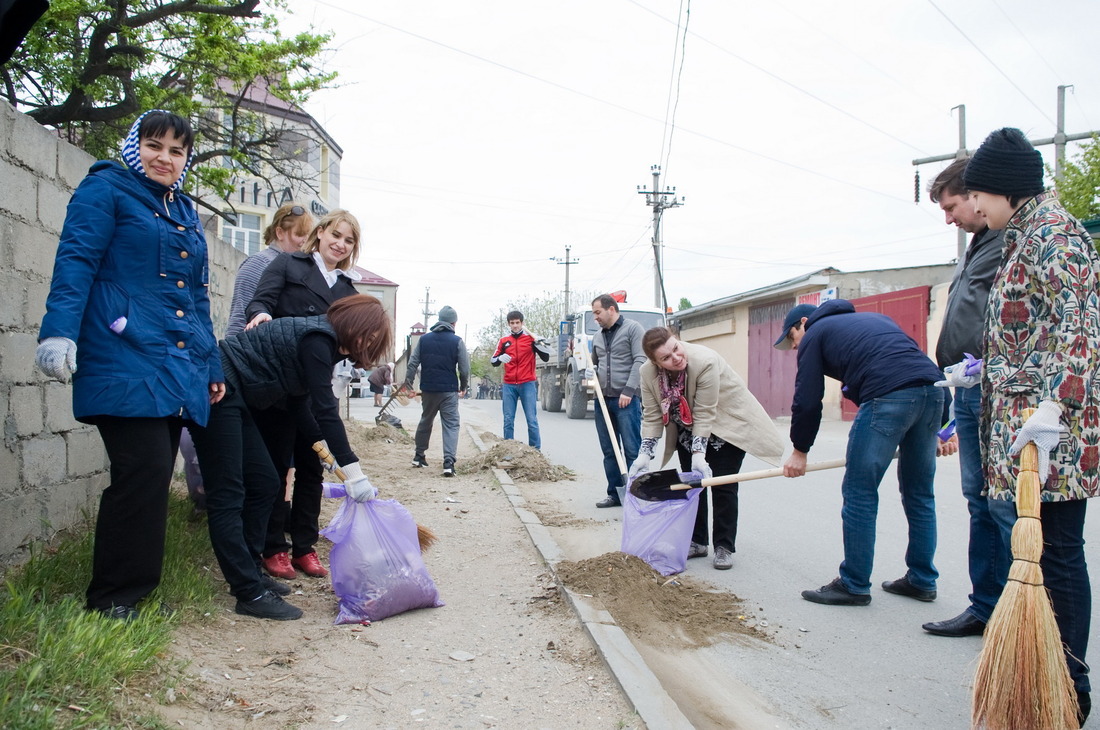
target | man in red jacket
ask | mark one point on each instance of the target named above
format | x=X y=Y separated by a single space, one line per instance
x=516 y=352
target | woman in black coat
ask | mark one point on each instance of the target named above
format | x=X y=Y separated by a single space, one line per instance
x=301 y=285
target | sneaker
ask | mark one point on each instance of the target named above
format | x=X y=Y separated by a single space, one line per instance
x=279 y=566
x=902 y=587
x=608 y=501
x=270 y=584
x=269 y=605
x=723 y=559
x=697 y=551
x=449 y=469
x=835 y=594
x=310 y=565
x=419 y=462
x=119 y=613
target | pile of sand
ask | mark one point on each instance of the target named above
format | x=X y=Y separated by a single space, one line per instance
x=522 y=462
x=674 y=612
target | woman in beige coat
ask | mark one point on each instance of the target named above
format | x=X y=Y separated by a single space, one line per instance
x=710 y=419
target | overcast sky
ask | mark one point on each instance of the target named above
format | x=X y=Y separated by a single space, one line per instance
x=482 y=138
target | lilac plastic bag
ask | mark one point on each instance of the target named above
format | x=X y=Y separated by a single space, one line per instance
x=377 y=570
x=660 y=532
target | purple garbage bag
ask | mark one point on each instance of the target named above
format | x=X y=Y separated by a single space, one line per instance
x=660 y=532
x=375 y=562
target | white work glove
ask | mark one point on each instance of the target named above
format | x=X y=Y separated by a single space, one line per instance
x=356 y=484
x=965 y=374
x=699 y=464
x=639 y=467
x=56 y=357
x=504 y=358
x=1043 y=428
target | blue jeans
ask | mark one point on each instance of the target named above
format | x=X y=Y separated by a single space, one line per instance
x=906 y=420
x=525 y=394
x=627 y=423
x=1066 y=577
x=989 y=553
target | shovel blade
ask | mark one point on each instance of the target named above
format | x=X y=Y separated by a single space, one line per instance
x=657 y=486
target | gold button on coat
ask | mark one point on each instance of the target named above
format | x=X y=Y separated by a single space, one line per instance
x=180 y=284
x=179 y=312
x=181 y=344
x=183 y=254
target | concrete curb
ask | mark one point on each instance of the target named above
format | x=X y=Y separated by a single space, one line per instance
x=642 y=688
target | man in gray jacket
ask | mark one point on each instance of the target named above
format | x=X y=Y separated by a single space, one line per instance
x=617 y=357
x=962 y=334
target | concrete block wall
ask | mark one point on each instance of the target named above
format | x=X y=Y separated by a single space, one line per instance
x=52 y=468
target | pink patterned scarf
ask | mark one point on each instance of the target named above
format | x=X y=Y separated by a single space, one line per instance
x=672 y=387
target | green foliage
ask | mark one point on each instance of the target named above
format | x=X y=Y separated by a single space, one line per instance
x=61 y=666
x=542 y=315
x=685 y=303
x=89 y=67
x=1079 y=189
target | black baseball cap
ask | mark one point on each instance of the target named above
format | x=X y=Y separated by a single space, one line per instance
x=793 y=317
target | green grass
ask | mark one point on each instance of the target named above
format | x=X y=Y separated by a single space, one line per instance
x=62 y=667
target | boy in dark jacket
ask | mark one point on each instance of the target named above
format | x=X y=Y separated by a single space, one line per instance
x=892 y=381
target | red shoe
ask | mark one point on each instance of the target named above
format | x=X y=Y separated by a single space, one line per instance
x=310 y=565
x=279 y=566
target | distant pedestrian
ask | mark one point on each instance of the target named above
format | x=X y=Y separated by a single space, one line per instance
x=380 y=379
x=892 y=381
x=516 y=351
x=441 y=356
x=617 y=358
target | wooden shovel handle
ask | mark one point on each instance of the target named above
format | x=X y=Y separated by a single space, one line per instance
x=760 y=474
x=326 y=456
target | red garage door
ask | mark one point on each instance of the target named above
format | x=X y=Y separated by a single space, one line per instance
x=909 y=308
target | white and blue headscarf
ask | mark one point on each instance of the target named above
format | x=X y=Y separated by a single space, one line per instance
x=132 y=157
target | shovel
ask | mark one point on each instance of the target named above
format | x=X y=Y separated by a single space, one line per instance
x=662 y=486
x=602 y=407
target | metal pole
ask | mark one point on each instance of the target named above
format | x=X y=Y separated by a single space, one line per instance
x=960 y=234
x=656 y=237
x=1060 y=135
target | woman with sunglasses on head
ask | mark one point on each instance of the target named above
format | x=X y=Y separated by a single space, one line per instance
x=289 y=360
x=710 y=419
x=287 y=233
x=301 y=284
x=128 y=315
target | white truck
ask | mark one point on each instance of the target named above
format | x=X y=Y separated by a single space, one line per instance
x=561 y=378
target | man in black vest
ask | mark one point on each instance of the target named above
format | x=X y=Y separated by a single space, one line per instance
x=445 y=373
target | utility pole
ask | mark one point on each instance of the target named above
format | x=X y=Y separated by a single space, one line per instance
x=568 y=262
x=427 y=302
x=1058 y=140
x=659 y=200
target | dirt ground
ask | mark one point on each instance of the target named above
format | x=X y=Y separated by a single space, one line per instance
x=505 y=651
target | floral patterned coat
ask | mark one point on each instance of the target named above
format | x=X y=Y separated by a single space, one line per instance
x=1042 y=342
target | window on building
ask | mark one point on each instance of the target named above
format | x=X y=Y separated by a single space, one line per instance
x=244 y=233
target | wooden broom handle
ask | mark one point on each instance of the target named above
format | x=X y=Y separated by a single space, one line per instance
x=759 y=474
x=326 y=456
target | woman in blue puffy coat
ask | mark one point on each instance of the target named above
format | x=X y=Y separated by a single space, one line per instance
x=128 y=315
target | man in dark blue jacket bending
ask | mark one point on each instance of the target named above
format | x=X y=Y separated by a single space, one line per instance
x=892 y=381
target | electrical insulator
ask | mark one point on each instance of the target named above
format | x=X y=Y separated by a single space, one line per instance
x=916 y=186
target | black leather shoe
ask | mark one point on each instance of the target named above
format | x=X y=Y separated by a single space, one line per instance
x=608 y=501
x=902 y=587
x=965 y=624
x=1084 y=706
x=270 y=584
x=835 y=594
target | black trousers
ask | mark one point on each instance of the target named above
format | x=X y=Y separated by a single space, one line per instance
x=128 y=555
x=300 y=516
x=724 y=460
x=241 y=484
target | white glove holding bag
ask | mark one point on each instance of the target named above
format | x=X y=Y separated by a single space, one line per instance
x=357 y=485
x=56 y=357
x=640 y=466
x=699 y=464
x=1044 y=429
x=954 y=376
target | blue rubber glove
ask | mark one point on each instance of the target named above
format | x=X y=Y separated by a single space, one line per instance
x=1044 y=429
x=56 y=357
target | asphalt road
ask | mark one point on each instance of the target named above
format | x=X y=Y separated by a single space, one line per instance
x=830 y=667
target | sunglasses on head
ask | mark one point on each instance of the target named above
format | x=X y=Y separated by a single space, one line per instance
x=296 y=210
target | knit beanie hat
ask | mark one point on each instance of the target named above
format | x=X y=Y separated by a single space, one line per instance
x=448 y=315
x=1005 y=164
x=132 y=144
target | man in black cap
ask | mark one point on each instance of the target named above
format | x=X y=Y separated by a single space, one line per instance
x=886 y=374
x=441 y=356
x=961 y=337
x=1042 y=352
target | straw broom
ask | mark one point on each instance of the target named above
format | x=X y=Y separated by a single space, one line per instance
x=424 y=536
x=1022 y=681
